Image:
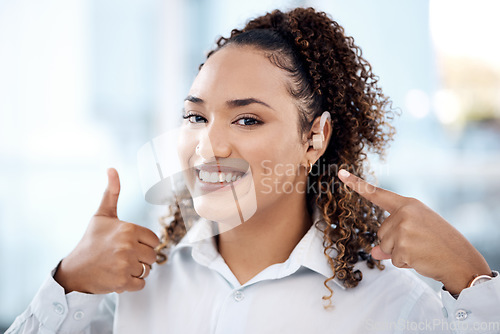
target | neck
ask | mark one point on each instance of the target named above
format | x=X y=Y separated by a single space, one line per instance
x=267 y=238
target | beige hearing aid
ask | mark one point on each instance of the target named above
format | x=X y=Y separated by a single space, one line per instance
x=317 y=140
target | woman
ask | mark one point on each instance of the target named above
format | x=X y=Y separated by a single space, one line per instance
x=274 y=119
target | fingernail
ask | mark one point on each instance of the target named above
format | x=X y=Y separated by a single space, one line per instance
x=344 y=173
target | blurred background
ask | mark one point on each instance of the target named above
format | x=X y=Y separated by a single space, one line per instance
x=85 y=83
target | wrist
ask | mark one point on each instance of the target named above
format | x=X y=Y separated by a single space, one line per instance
x=464 y=281
x=478 y=279
x=64 y=278
x=60 y=278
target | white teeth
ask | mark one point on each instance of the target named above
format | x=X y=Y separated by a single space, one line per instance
x=214 y=177
x=217 y=177
x=204 y=175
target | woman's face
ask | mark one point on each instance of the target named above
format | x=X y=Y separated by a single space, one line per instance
x=240 y=145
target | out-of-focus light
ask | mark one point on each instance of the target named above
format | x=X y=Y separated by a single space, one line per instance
x=447 y=106
x=67 y=142
x=463 y=28
x=417 y=103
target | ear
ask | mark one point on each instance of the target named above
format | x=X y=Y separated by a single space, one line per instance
x=318 y=137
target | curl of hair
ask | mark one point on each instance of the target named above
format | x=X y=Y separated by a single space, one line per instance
x=173 y=229
x=327 y=72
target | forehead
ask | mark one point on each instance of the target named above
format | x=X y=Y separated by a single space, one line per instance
x=235 y=72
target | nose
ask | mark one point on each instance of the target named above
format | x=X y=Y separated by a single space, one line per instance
x=213 y=144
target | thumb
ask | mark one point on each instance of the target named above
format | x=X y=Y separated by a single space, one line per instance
x=110 y=198
x=378 y=254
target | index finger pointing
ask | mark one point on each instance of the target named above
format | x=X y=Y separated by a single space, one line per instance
x=385 y=199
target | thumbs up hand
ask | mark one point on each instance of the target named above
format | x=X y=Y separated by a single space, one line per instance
x=112 y=256
x=414 y=236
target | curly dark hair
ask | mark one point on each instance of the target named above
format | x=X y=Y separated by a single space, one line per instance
x=327 y=72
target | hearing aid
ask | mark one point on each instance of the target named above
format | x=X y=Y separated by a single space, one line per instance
x=317 y=140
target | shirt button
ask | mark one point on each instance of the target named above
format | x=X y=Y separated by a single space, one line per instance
x=461 y=315
x=78 y=315
x=58 y=308
x=238 y=296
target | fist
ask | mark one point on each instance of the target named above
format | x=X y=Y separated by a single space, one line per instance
x=113 y=255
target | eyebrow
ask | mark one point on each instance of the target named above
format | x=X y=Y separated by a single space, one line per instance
x=230 y=103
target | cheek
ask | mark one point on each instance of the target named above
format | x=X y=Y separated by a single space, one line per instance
x=186 y=147
x=277 y=160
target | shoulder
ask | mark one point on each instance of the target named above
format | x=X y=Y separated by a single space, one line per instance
x=393 y=280
x=400 y=290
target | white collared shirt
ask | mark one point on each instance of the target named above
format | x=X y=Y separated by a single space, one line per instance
x=196 y=292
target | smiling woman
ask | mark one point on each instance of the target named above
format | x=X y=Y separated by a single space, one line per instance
x=275 y=103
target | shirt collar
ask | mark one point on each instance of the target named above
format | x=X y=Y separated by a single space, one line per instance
x=309 y=252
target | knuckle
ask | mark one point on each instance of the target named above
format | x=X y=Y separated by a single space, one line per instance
x=402 y=247
x=127 y=228
x=398 y=263
x=123 y=252
x=152 y=257
x=403 y=229
x=128 y=245
x=384 y=246
x=122 y=267
x=405 y=210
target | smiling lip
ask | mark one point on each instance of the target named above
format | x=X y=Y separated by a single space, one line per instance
x=219 y=174
x=213 y=167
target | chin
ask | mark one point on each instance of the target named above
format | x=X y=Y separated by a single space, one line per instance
x=223 y=208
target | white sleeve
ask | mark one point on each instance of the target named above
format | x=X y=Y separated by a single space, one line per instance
x=424 y=314
x=476 y=310
x=53 y=311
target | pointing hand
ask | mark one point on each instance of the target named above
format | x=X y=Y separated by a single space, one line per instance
x=414 y=236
